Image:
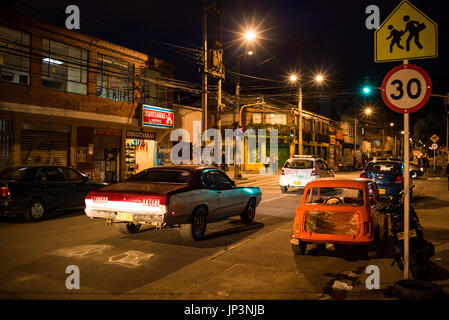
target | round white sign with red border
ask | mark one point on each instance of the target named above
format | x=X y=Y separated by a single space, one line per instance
x=406 y=88
x=434 y=146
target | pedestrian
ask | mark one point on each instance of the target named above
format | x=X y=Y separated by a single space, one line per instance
x=266 y=163
x=275 y=160
x=447 y=173
x=160 y=158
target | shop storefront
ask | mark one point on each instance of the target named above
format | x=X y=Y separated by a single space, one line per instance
x=140 y=151
x=98 y=153
x=44 y=144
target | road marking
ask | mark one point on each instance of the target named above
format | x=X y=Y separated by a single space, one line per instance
x=280 y=197
x=82 y=251
x=130 y=259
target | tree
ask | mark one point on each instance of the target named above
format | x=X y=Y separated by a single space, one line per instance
x=428 y=126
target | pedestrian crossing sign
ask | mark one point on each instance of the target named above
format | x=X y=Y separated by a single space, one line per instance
x=406 y=34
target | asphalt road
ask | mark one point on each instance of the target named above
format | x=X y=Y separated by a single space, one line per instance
x=235 y=261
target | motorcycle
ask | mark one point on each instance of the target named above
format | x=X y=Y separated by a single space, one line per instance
x=420 y=250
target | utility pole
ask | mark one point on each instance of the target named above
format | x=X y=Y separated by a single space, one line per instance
x=204 y=75
x=237 y=102
x=446 y=103
x=300 y=118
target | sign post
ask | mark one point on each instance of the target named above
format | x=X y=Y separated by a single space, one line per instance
x=406 y=89
x=407 y=33
x=434 y=147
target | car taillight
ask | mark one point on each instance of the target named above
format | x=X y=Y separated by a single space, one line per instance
x=399 y=179
x=366 y=228
x=155 y=201
x=363 y=175
x=4 y=192
x=313 y=172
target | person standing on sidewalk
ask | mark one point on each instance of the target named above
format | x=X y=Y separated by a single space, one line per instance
x=447 y=174
x=266 y=163
x=274 y=161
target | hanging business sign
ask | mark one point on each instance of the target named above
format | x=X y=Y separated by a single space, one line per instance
x=140 y=135
x=157 y=117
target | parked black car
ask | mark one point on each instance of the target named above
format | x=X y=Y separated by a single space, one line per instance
x=38 y=191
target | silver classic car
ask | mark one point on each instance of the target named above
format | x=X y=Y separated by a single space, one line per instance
x=186 y=196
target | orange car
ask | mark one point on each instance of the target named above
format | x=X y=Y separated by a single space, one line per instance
x=338 y=211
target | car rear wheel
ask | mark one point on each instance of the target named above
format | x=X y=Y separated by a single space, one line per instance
x=195 y=230
x=128 y=227
x=284 y=189
x=36 y=211
x=248 y=215
x=300 y=248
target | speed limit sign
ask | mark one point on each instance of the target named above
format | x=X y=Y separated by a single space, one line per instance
x=406 y=88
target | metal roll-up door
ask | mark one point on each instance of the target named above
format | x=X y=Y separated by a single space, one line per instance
x=44 y=147
x=106 y=141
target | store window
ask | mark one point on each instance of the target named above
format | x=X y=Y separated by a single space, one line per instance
x=14 y=56
x=64 y=67
x=115 y=79
x=276 y=118
x=153 y=93
x=257 y=117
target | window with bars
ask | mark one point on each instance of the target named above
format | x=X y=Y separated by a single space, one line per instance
x=154 y=94
x=115 y=79
x=64 y=67
x=14 y=56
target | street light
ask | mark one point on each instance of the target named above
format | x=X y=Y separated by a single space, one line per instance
x=293 y=79
x=250 y=36
x=368 y=111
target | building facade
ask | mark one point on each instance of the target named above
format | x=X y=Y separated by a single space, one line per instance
x=71 y=99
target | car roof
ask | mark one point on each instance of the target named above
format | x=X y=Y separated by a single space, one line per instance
x=339 y=182
x=186 y=167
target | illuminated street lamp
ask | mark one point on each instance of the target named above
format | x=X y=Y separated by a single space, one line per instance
x=250 y=35
x=293 y=79
x=368 y=111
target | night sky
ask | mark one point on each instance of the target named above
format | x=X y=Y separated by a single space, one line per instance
x=320 y=35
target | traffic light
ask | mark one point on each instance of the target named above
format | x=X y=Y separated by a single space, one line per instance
x=292 y=133
x=366 y=90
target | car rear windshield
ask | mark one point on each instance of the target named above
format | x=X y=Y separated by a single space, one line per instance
x=335 y=196
x=18 y=174
x=167 y=176
x=299 y=164
x=385 y=167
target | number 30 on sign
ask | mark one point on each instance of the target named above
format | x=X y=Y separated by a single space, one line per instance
x=406 y=88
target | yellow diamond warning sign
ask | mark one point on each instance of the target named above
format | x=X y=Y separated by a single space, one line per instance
x=434 y=138
x=406 y=34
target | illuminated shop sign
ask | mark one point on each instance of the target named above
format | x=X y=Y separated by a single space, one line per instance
x=140 y=135
x=157 y=117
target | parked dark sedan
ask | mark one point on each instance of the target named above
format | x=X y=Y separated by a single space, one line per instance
x=389 y=176
x=180 y=196
x=36 y=192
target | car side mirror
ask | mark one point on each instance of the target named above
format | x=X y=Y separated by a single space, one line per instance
x=85 y=179
x=233 y=184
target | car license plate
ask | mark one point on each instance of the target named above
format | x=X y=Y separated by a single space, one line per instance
x=412 y=234
x=381 y=191
x=297 y=183
x=124 y=216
